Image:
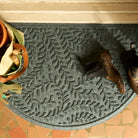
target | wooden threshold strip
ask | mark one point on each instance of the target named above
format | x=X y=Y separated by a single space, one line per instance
x=66 y=1
x=59 y=12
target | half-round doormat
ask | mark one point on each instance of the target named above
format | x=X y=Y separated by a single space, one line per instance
x=55 y=93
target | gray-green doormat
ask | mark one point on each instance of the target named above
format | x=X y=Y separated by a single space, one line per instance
x=55 y=93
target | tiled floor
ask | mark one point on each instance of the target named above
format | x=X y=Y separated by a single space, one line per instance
x=123 y=125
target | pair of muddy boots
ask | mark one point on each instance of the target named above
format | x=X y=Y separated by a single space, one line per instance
x=100 y=64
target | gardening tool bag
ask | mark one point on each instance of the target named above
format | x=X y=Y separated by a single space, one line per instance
x=7 y=45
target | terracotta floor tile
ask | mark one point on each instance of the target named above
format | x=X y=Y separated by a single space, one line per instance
x=81 y=134
x=32 y=132
x=115 y=131
x=2 y=132
x=98 y=130
x=135 y=136
x=61 y=134
x=136 y=123
x=6 y=136
x=88 y=129
x=115 y=120
x=2 y=106
x=48 y=137
x=50 y=134
x=130 y=131
x=133 y=105
x=43 y=132
x=17 y=133
x=128 y=117
x=100 y=137
x=12 y=124
x=7 y=116
x=73 y=132
x=23 y=123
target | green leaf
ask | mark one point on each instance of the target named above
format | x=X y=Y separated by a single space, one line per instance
x=19 y=35
x=14 y=33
